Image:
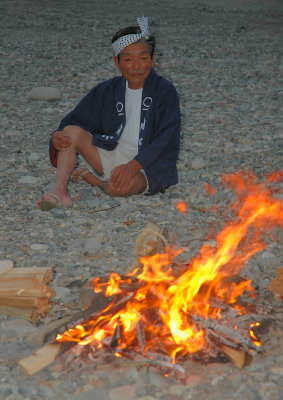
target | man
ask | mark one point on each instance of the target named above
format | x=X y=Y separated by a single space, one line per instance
x=127 y=129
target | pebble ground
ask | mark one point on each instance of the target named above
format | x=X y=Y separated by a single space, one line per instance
x=225 y=59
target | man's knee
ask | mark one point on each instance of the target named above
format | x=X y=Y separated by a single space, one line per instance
x=80 y=137
x=75 y=132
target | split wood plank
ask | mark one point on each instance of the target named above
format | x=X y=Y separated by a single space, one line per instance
x=44 y=291
x=40 y=359
x=39 y=338
x=240 y=358
x=41 y=273
x=28 y=313
x=20 y=282
x=41 y=303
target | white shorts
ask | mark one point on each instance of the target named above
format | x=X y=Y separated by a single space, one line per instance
x=109 y=160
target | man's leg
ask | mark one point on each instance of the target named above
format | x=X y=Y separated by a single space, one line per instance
x=67 y=159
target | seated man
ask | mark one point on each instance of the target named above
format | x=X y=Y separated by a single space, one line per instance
x=127 y=129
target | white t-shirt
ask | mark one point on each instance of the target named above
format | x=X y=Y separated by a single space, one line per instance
x=129 y=139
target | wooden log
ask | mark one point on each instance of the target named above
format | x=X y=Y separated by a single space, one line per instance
x=39 y=338
x=44 y=291
x=43 y=273
x=226 y=332
x=240 y=358
x=30 y=314
x=40 y=359
x=40 y=303
x=20 y=282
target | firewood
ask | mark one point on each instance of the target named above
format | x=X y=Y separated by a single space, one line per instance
x=20 y=282
x=239 y=357
x=41 y=303
x=43 y=273
x=31 y=314
x=226 y=332
x=44 y=291
x=39 y=338
x=40 y=359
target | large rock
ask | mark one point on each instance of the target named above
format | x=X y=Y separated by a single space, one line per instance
x=45 y=93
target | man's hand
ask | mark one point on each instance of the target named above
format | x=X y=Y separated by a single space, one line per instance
x=122 y=175
x=61 y=140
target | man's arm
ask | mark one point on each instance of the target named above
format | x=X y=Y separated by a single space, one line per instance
x=122 y=175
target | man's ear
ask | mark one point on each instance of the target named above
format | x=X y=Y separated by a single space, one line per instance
x=117 y=63
x=152 y=60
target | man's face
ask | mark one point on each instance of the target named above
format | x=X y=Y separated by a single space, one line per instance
x=135 y=64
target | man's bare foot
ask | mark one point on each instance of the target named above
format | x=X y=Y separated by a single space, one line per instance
x=53 y=200
x=87 y=176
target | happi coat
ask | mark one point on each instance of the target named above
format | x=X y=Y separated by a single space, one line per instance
x=102 y=113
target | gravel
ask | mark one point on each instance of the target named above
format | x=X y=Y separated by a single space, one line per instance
x=225 y=59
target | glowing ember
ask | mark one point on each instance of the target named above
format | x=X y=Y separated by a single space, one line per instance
x=182 y=207
x=168 y=300
x=210 y=189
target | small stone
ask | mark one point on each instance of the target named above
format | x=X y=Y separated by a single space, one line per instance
x=177 y=389
x=197 y=163
x=157 y=380
x=45 y=93
x=17 y=326
x=34 y=156
x=92 y=244
x=58 y=213
x=63 y=293
x=147 y=398
x=95 y=203
x=5 y=266
x=194 y=380
x=13 y=133
x=123 y=392
x=277 y=370
x=268 y=259
x=28 y=180
x=39 y=247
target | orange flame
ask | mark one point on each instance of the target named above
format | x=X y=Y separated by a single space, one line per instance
x=168 y=299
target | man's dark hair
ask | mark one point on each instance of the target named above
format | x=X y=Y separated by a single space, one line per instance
x=133 y=30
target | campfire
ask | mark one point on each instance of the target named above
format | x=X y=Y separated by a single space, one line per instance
x=168 y=310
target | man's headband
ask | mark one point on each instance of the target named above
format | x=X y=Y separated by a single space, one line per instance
x=126 y=40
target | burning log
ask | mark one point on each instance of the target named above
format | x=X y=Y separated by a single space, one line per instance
x=226 y=333
x=24 y=293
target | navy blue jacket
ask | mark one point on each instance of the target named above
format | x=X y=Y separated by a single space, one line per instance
x=102 y=113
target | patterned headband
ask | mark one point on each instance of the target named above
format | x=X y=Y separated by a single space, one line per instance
x=126 y=40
